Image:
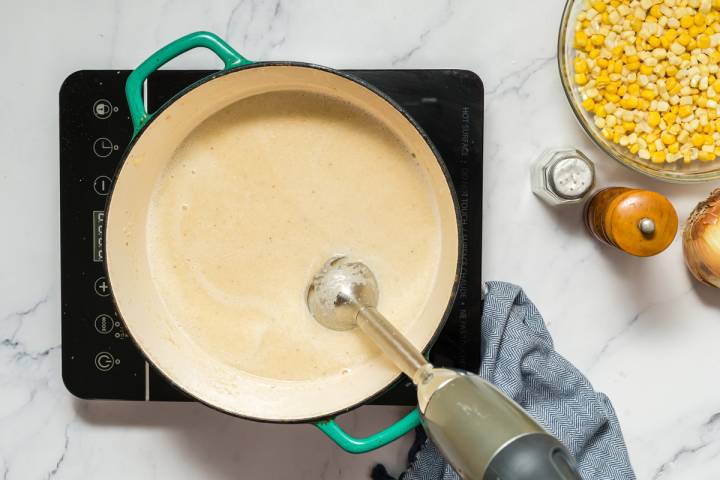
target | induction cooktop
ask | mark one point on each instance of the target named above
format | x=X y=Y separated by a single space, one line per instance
x=99 y=360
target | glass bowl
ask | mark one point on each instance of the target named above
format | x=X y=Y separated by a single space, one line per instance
x=677 y=172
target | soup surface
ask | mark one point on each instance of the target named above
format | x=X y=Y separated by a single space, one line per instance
x=256 y=199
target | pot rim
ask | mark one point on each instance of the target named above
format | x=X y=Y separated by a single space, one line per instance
x=396 y=106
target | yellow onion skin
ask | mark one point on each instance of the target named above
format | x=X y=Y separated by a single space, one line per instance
x=701 y=241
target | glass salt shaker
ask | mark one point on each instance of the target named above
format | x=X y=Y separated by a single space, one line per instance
x=562 y=176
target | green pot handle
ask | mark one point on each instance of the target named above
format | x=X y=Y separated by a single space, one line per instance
x=133 y=86
x=231 y=58
x=361 y=445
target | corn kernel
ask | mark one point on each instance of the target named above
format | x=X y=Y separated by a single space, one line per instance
x=648 y=94
x=687 y=21
x=654 y=119
x=667 y=138
x=658 y=157
x=629 y=102
x=674 y=148
x=646 y=69
x=588 y=104
x=685 y=111
x=580 y=39
x=703 y=41
x=706 y=156
x=581 y=66
x=580 y=78
x=697 y=139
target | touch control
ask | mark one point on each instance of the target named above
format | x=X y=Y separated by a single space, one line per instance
x=104 y=323
x=103 y=147
x=104 y=361
x=102 y=287
x=102 y=109
x=101 y=185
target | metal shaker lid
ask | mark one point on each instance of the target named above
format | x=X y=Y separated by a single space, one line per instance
x=571 y=177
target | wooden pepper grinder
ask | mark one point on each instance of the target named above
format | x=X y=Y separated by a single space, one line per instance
x=638 y=222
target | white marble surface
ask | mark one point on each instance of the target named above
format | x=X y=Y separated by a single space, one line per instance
x=640 y=329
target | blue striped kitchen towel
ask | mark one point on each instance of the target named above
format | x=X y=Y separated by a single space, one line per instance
x=519 y=358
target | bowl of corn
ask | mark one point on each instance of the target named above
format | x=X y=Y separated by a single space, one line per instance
x=643 y=79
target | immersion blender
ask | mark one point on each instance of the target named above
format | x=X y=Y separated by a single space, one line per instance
x=482 y=433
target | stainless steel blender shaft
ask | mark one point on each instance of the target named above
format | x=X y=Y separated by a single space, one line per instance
x=483 y=434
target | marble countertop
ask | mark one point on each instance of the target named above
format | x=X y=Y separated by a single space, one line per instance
x=641 y=330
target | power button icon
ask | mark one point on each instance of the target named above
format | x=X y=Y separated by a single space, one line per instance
x=104 y=361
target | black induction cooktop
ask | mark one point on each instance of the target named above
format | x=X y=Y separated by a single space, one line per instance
x=99 y=361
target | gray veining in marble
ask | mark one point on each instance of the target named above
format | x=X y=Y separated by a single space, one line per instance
x=642 y=330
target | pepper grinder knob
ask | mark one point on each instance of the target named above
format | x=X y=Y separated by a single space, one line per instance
x=647 y=226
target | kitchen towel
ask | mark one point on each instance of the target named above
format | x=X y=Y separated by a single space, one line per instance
x=519 y=358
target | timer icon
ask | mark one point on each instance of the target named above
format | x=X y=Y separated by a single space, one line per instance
x=103 y=147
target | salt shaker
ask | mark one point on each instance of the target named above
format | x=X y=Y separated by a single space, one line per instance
x=561 y=177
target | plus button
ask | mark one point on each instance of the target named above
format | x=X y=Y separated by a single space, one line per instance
x=102 y=287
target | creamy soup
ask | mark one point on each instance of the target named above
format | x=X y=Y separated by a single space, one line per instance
x=256 y=199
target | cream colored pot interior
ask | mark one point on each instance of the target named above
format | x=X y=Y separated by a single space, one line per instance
x=144 y=310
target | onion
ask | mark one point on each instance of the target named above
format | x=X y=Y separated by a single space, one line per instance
x=701 y=241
